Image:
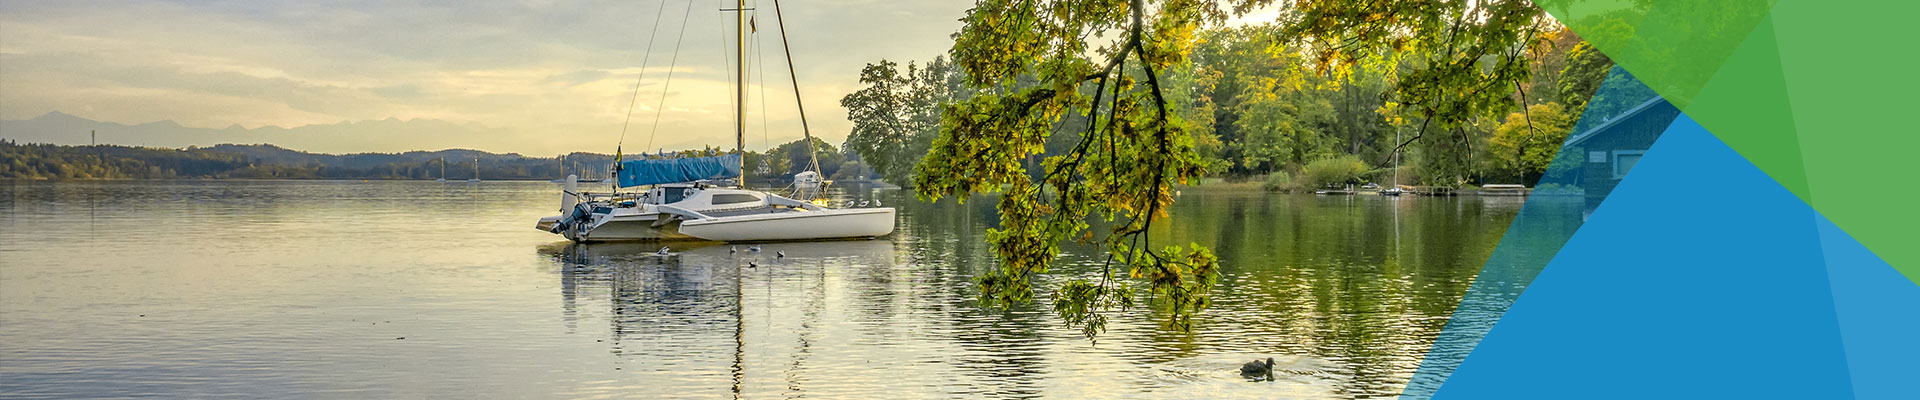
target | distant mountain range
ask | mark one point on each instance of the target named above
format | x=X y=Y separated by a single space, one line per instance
x=271 y=154
x=55 y=146
x=67 y=129
x=260 y=161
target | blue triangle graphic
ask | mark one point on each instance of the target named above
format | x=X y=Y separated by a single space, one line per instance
x=1879 y=323
x=1699 y=278
x=1623 y=119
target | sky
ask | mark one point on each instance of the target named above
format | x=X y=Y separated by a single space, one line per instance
x=540 y=76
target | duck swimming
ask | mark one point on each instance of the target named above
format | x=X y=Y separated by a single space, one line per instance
x=1256 y=367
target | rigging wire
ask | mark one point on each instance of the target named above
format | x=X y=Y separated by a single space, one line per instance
x=727 y=60
x=759 y=66
x=635 y=100
x=675 y=61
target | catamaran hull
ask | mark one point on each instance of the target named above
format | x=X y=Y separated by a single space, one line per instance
x=630 y=230
x=621 y=229
x=850 y=223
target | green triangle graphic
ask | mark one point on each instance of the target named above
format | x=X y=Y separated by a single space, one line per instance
x=1745 y=105
x=1850 y=76
x=1703 y=33
x=1817 y=94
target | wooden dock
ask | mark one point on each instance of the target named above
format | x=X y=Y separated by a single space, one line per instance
x=1503 y=190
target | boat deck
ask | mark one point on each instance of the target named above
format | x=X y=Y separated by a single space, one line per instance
x=749 y=211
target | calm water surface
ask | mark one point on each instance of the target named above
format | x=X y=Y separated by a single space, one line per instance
x=420 y=289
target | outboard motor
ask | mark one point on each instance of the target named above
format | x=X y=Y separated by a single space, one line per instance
x=579 y=215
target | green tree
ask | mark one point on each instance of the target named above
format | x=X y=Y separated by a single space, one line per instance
x=1551 y=61
x=1263 y=110
x=897 y=114
x=1464 y=60
x=1619 y=92
x=1141 y=98
x=1285 y=120
x=1132 y=151
x=1337 y=170
x=791 y=158
x=1266 y=108
x=1585 y=68
x=1523 y=146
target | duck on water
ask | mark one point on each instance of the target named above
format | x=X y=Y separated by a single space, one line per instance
x=1257 y=368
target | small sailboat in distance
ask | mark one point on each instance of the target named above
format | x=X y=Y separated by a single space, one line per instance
x=1393 y=189
x=443 y=171
x=576 y=178
x=476 y=170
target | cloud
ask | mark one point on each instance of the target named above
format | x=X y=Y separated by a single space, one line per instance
x=579 y=77
x=542 y=76
x=398 y=91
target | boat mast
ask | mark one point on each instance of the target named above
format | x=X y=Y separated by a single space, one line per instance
x=1396 y=169
x=813 y=158
x=740 y=113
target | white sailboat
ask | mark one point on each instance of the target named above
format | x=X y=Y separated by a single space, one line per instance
x=1393 y=189
x=700 y=198
x=443 y=171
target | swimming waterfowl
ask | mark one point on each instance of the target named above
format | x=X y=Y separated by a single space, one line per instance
x=1256 y=367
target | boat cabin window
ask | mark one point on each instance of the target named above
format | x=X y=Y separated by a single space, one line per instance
x=674 y=195
x=732 y=198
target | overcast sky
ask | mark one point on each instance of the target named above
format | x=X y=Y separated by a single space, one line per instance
x=554 y=75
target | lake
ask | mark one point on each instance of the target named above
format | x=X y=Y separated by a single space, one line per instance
x=341 y=289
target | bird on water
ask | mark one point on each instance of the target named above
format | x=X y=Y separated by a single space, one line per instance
x=1256 y=367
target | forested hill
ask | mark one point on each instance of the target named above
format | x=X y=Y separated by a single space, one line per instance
x=265 y=161
x=262 y=161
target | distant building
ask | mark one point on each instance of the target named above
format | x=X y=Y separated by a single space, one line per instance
x=1612 y=147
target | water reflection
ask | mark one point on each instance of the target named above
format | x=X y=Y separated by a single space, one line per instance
x=670 y=318
x=1346 y=293
x=710 y=311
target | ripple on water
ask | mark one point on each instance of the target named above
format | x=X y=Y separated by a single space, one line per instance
x=253 y=289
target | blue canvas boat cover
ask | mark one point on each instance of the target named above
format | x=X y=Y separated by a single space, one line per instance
x=677 y=170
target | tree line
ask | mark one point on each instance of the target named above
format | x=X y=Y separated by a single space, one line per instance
x=230 y=161
x=1257 y=108
x=47 y=161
